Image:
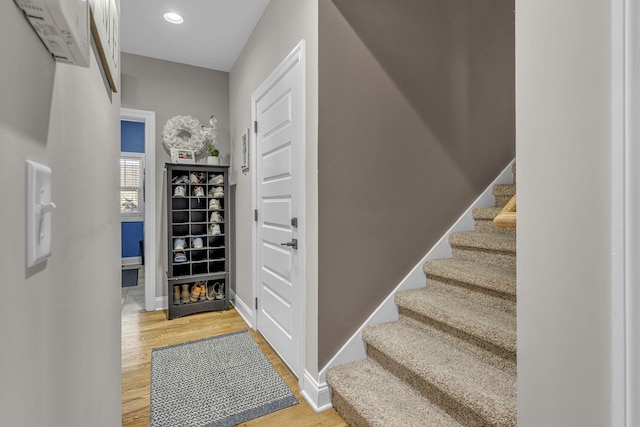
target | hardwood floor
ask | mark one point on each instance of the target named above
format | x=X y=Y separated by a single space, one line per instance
x=142 y=331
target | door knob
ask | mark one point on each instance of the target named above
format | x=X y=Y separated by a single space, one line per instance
x=293 y=243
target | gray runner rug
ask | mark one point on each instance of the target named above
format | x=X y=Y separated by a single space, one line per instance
x=218 y=381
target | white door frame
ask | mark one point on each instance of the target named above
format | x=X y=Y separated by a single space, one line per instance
x=296 y=55
x=625 y=221
x=149 y=120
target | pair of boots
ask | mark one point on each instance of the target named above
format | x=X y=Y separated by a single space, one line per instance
x=181 y=297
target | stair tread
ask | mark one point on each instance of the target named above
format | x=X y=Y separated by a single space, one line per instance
x=466 y=378
x=479 y=240
x=463 y=310
x=383 y=399
x=501 y=279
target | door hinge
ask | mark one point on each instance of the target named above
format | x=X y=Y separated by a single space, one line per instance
x=255 y=126
x=255 y=215
x=256 y=303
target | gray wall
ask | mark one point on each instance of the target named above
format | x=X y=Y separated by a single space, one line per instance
x=416 y=118
x=282 y=26
x=60 y=320
x=169 y=89
x=564 y=213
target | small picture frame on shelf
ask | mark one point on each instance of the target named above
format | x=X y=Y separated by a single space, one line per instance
x=182 y=156
x=246 y=148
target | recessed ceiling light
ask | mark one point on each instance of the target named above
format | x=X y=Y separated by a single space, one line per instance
x=173 y=17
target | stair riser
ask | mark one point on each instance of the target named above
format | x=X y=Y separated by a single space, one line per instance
x=453 y=407
x=504 y=301
x=347 y=412
x=501 y=201
x=504 y=353
x=502 y=259
x=486 y=226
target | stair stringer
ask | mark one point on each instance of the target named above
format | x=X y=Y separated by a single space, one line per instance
x=355 y=349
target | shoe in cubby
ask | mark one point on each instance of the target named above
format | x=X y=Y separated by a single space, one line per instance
x=216 y=179
x=214 y=230
x=195 y=292
x=196 y=178
x=220 y=290
x=198 y=192
x=176 y=295
x=203 y=291
x=179 y=191
x=182 y=179
x=196 y=243
x=179 y=244
x=184 y=294
x=214 y=205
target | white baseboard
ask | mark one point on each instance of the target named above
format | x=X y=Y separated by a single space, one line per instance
x=318 y=395
x=162 y=303
x=243 y=310
x=133 y=260
x=354 y=349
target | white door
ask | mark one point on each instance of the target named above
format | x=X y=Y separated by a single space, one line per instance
x=278 y=111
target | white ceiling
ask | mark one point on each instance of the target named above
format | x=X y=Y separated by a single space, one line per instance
x=212 y=35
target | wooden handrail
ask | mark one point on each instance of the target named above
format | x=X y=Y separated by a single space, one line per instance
x=507 y=216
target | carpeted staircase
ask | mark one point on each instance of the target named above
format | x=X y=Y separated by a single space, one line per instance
x=450 y=359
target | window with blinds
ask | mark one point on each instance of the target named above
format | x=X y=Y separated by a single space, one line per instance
x=132 y=186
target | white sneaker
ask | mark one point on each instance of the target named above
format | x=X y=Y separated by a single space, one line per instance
x=195 y=178
x=216 y=179
x=216 y=217
x=219 y=192
x=214 y=205
x=214 y=230
x=179 y=244
x=179 y=191
x=180 y=257
x=198 y=192
x=196 y=243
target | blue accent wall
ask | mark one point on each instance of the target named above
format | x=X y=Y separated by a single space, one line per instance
x=131 y=141
x=131 y=136
x=132 y=233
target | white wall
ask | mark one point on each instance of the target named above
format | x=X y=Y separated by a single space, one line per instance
x=282 y=26
x=564 y=176
x=59 y=321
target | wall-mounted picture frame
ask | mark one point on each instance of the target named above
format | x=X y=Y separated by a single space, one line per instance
x=182 y=156
x=246 y=150
x=104 y=28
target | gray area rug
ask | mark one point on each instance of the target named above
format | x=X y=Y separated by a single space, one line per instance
x=218 y=381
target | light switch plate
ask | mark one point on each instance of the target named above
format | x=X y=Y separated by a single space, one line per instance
x=39 y=213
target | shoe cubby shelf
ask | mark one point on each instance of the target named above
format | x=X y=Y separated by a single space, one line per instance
x=197 y=216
